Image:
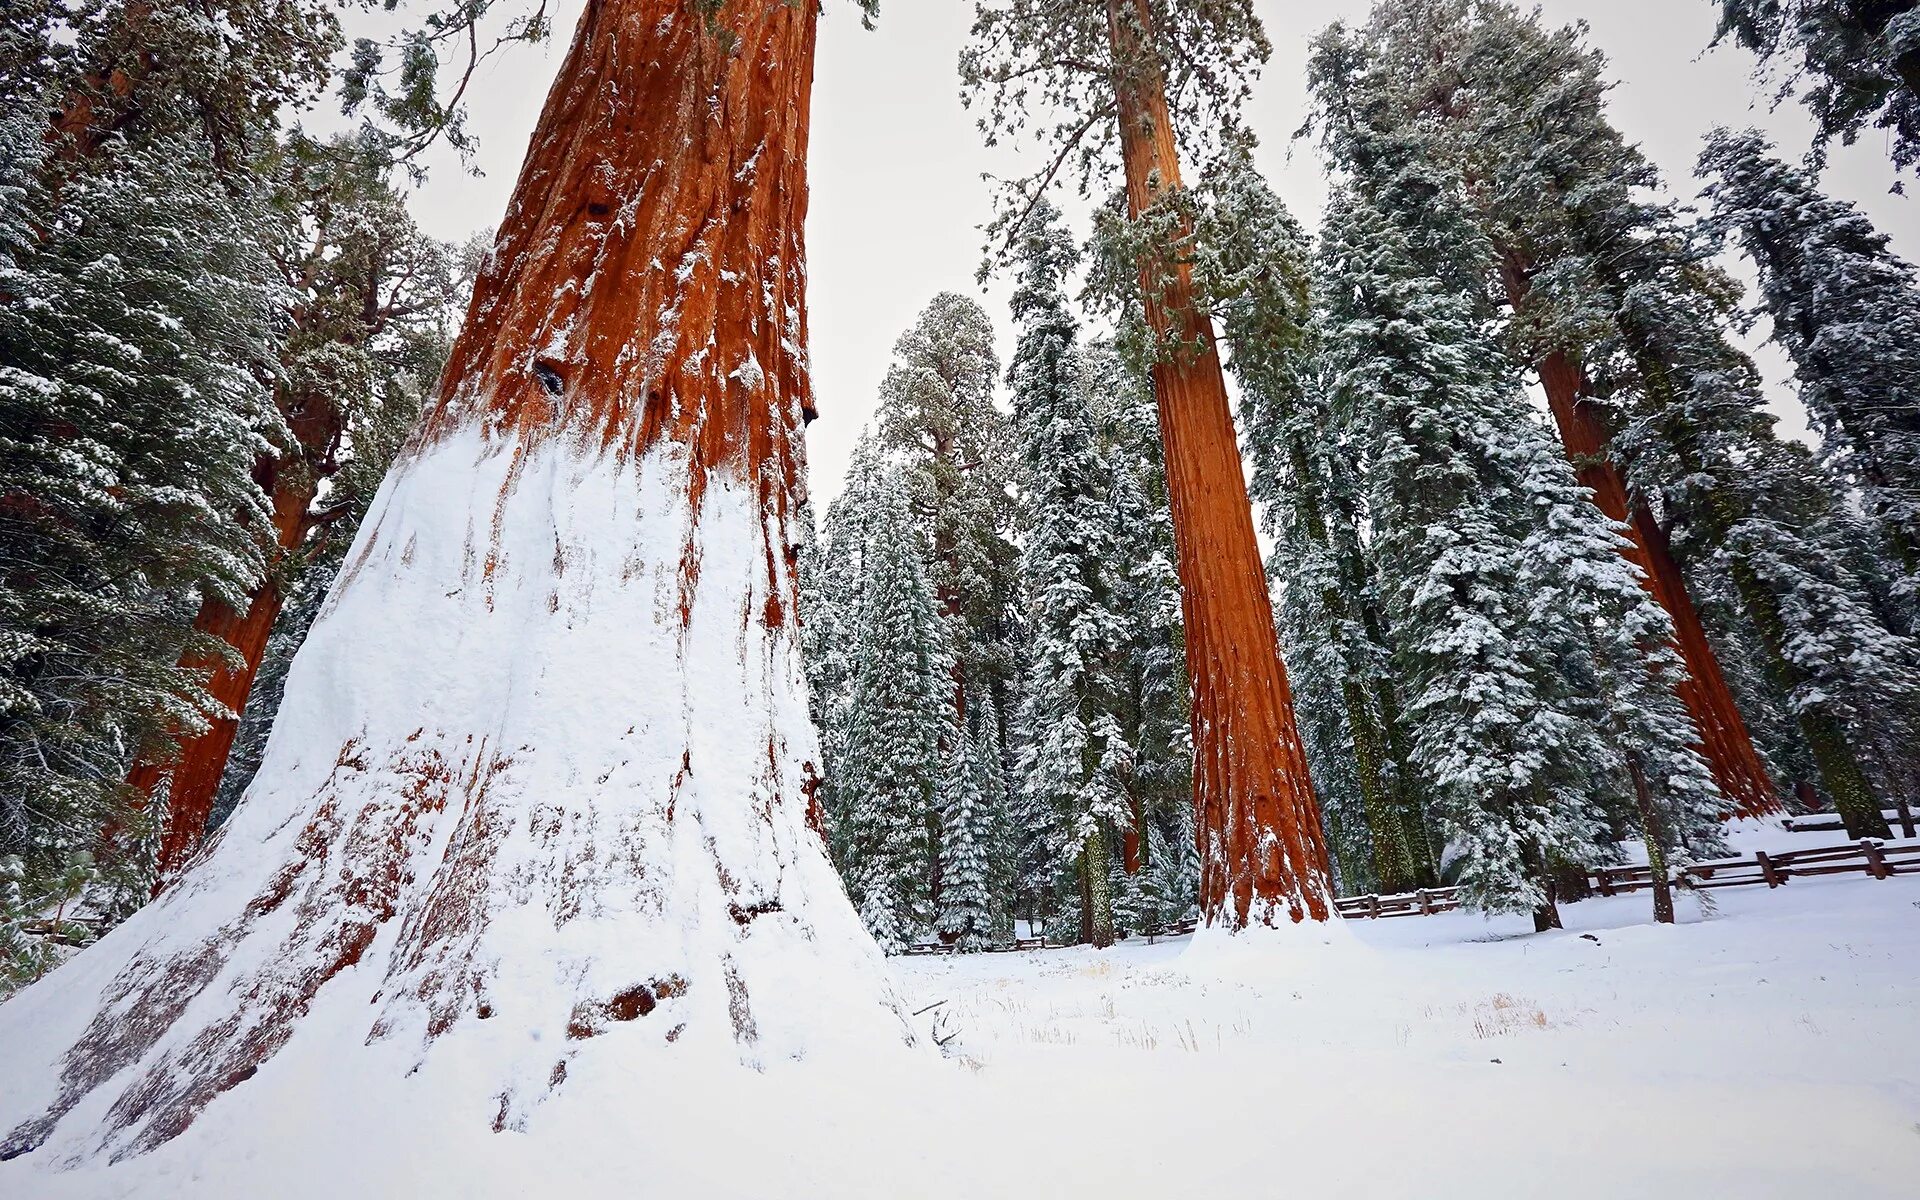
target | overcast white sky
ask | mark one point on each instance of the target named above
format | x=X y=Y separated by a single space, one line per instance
x=896 y=163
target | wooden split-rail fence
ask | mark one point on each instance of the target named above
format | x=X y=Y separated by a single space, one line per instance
x=1869 y=856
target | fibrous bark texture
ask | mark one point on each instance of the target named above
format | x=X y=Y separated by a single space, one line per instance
x=1263 y=857
x=1724 y=740
x=539 y=785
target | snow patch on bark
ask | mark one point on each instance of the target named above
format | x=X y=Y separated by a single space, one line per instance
x=533 y=792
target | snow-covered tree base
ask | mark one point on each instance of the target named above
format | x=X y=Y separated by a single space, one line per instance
x=533 y=819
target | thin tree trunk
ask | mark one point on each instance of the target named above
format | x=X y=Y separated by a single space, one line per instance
x=1263 y=856
x=1654 y=831
x=1723 y=738
x=1095 y=872
x=555 y=702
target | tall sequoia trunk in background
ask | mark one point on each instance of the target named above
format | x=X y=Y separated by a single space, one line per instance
x=1263 y=855
x=540 y=776
x=1724 y=740
x=192 y=780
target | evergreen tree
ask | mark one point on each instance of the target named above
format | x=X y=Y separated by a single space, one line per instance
x=136 y=337
x=937 y=418
x=1856 y=62
x=1618 y=286
x=1494 y=728
x=1068 y=699
x=967 y=844
x=1150 y=78
x=1149 y=672
x=938 y=421
x=1847 y=311
x=892 y=765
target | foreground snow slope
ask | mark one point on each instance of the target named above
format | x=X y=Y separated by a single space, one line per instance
x=1772 y=1050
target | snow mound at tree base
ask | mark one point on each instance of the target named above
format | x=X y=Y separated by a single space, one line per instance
x=532 y=823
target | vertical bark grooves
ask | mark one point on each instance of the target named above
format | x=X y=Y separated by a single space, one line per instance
x=1262 y=851
x=688 y=193
x=1724 y=740
x=646 y=294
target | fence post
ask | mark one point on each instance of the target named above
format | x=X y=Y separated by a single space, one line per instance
x=1767 y=871
x=1373 y=907
x=1876 y=861
x=1426 y=902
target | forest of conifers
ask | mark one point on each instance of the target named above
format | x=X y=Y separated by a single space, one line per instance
x=1546 y=580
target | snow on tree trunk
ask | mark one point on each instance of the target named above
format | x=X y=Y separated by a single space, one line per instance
x=1724 y=740
x=193 y=780
x=1262 y=852
x=539 y=783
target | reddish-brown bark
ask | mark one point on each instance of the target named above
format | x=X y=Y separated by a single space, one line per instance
x=193 y=778
x=1584 y=430
x=686 y=201
x=1262 y=852
x=1724 y=740
x=646 y=292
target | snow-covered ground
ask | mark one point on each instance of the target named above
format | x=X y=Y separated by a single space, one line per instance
x=1770 y=1049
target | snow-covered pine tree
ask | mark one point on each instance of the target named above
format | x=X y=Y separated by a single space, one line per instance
x=937 y=420
x=1150 y=688
x=1739 y=499
x=1634 y=282
x=896 y=763
x=1854 y=63
x=1251 y=267
x=1847 y=311
x=553 y=714
x=1495 y=726
x=999 y=839
x=832 y=588
x=1135 y=75
x=1475 y=95
x=968 y=831
x=1585 y=592
x=136 y=334
x=1067 y=711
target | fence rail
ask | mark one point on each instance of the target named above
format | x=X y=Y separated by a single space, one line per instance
x=1869 y=856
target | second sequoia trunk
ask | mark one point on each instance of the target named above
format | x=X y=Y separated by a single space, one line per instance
x=1723 y=738
x=1263 y=857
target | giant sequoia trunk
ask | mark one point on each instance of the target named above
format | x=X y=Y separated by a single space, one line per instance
x=1723 y=738
x=1263 y=857
x=539 y=783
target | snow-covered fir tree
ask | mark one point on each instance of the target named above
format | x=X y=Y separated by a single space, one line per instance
x=1854 y=63
x=1495 y=726
x=1847 y=311
x=1068 y=773
x=1149 y=666
x=1601 y=270
x=969 y=832
x=137 y=341
x=894 y=760
x=938 y=422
